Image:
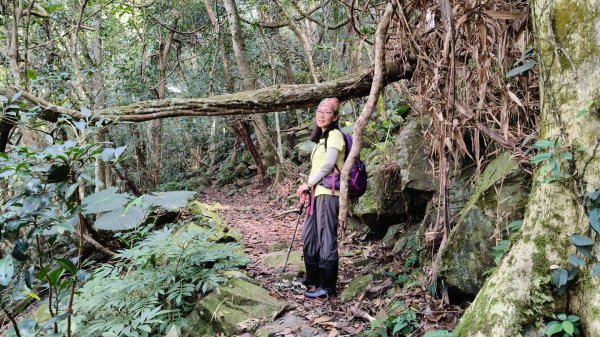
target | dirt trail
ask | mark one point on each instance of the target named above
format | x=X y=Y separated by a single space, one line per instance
x=252 y=212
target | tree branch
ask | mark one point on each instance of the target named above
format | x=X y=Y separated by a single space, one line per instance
x=269 y=99
x=365 y=115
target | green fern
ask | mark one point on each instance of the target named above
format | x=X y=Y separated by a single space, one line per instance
x=155 y=284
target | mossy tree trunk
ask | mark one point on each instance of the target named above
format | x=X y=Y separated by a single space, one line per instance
x=521 y=293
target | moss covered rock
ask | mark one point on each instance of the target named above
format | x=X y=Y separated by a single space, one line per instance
x=400 y=179
x=198 y=208
x=276 y=260
x=235 y=307
x=356 y=287
x=499 y=197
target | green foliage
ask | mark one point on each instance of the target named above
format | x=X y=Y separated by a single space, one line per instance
x=564 y=326
x=147 y=289
x=439 y=333
x=562 y=277
x=550 y=157
x=503 y=246
x=401 y=321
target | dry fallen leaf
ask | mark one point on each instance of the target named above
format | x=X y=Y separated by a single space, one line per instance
x=322 y=319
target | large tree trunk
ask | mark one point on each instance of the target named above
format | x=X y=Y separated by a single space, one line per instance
x=521 y=293
x=270 y=99
x=259 y=123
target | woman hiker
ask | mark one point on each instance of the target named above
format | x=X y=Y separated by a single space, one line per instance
x=320 y=227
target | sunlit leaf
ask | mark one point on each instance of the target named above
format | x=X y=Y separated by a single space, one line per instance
x=169 y=200
x=520 y=69
x=118 y=220
x=595 y=220
x=104 y=201
x=541 y=157
x=560 y=277
x=580 y=240
x=552 y=328
x=576 y=260
x=7 y=270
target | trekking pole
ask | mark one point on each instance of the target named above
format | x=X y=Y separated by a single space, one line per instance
x=292 y=242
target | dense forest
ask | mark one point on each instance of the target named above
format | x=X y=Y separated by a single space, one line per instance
x=150 y=152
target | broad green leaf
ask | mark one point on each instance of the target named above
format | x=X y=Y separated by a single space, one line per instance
x=7 y=270
x=85 y=112
x=543 y=144
x=552 y=328
x=561 y=316
x=541 y=157
x=119 y=151
x=67 y=265
x=520 y=69
x=107 y=154
x=82 y=275
x=71 y=190
x=169 y=200
x=567 y=155
x=573 y=318
x=515 y=225
x=576 y=260
x=580 y=240
x=595 y=220
x=560 y=277
x=594 y=195
x=585 y=251
x=596 y=270
x=54 y=276
x=568 y=327
x=31 y=204
x=80 y=125
x=118 y=220
x=104 y=201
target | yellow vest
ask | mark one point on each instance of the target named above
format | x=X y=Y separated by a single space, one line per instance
x=336 y=140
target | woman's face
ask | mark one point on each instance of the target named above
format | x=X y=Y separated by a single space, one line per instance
x=325 y=116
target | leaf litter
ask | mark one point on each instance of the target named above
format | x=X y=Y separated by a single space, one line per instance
x=252 y=212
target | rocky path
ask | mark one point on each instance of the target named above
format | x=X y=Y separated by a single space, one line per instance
x=266 y=238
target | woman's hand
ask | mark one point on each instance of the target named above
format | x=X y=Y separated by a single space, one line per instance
x=303 y=193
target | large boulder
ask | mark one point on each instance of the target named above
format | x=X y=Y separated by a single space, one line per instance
x=400 y=179
x=234 y=308
x=499 y=197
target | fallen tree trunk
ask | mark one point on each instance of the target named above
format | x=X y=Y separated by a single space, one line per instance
x=269 y=99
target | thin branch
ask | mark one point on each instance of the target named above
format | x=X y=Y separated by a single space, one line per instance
x=285 y=23
x=175 y=30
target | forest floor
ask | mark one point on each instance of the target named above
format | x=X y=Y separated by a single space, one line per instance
x=253 y=213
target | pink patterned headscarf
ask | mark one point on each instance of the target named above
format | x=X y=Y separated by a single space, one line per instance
x=330 y=103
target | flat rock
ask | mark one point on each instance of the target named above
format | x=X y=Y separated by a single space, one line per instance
x=234 y=308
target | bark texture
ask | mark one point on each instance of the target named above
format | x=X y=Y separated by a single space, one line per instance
x=365 y=115
x=521 y=293
x=269 y=99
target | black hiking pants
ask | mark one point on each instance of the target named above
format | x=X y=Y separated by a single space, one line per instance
x=320 y=241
